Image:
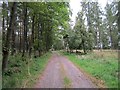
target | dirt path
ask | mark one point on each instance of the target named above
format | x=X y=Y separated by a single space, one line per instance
x=61 y=73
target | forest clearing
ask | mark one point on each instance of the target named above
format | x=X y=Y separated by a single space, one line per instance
x=49 y=45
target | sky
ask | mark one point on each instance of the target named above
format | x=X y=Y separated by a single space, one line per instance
x=75 y=7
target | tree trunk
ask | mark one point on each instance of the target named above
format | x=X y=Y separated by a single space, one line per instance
x=7 y=42
x=119 y=38
x=111 y=39
x=25 y=46
x=32 y=37
x=20 y=38
x=13 y=35
x=119 y=28
x=3 y=27
x=39 y=28
x=84 y=48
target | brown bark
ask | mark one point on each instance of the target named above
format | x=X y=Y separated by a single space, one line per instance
x=25 y=44
x=39 y=29
x=13 y=35
x=84 y=48
x=7 y=42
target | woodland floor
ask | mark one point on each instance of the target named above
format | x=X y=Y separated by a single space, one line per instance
x=62 y=73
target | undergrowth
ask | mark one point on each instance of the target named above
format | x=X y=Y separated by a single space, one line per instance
x=23 y=72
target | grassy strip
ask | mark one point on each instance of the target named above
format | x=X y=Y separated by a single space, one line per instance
x=102 y=65
x=24 y=72
x=67 y=82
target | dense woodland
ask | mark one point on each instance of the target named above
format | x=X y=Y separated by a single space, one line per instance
x=29 y=28
x=32 y=29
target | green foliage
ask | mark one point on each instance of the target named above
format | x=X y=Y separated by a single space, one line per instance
x=67 y=82
x=79 y=37
x=52 y=16
x=111 y=23
x=74 y=41
x=18 y=75
x=36 y=44
x=58 y=45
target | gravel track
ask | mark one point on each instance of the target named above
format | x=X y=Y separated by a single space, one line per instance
x=53 y=76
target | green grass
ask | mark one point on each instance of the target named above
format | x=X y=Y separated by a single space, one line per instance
x=21 y=74
x=67 y=82
x=0 y=63
x=102 y=65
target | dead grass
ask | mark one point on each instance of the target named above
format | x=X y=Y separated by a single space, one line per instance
x=106 y=53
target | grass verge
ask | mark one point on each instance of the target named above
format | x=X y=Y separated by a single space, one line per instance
x=103 y=65
x=0 y=63
x=24 y=72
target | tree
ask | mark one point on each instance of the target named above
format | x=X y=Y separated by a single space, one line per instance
x=118 y=24
x=32 y=27
x=7 y=41
x=111 y=19
x=81 y=33
x=25 y=43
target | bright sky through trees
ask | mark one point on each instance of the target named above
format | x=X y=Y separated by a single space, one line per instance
x=75 y=7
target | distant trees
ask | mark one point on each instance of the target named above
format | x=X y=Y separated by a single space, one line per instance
x=93 y=15
x=111 y=22
x=29 y=28
x=81 y=32
x=95 y=28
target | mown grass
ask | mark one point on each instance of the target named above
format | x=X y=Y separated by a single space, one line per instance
x=24 y=72
x=102 y=65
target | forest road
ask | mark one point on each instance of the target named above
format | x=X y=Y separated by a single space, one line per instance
x=61 y=73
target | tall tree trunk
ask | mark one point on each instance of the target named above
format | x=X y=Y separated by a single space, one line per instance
x=3 y=27
x=20 y=37
x=118 y=18
x=7 y=42
x=21 y=33
x=25 y=46
x=97 y=27
x=7 y=18
x=111 y=38
x=13 y=35
x=119 y=40
x=84 y=48
x=32 y=37
x=39 y=29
